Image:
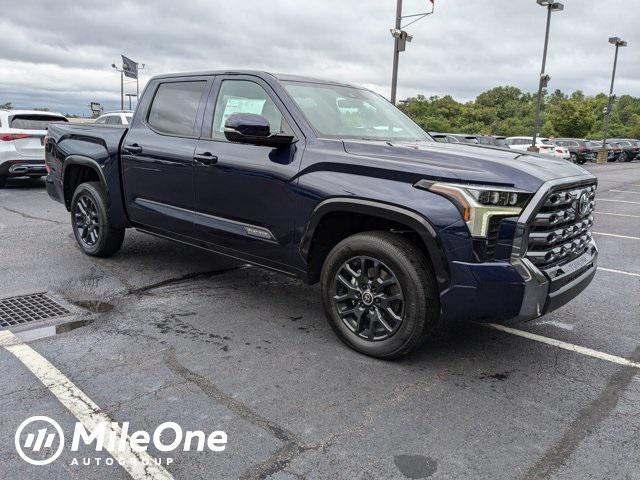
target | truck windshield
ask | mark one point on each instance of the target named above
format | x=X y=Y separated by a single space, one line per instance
x=347 y=112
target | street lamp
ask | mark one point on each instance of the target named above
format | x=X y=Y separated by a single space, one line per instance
x=544 y=77
x=121 y=70
x=129 y=95
x=401 y=38
x=618 y=42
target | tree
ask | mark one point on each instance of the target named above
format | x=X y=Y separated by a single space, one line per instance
x=506 y=110
x=6 y=106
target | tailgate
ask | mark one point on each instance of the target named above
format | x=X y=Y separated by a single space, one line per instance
x=32 y=144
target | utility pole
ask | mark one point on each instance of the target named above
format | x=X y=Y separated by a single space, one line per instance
x=400 y=41
x=544 y=77
x=396 y=51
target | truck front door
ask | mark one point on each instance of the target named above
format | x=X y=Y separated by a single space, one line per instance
x=244 y=193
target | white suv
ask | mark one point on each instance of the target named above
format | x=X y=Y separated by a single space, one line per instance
x=544 y=146
x=115 y=118
x=22 y=135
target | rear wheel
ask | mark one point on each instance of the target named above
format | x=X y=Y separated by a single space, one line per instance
x=91 y=223
x=380 y=295
x=574 y=158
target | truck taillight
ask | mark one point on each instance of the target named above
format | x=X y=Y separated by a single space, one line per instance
x=10 y=137
x=45 y=140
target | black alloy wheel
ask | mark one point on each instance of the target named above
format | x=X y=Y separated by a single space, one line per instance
x=87 y=221
x=368 y=298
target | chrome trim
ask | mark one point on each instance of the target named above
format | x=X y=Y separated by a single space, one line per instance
x=233 y=226
x=536 y=283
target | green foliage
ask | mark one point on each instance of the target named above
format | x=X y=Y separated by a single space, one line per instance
x=6 y=106
x=509 y=111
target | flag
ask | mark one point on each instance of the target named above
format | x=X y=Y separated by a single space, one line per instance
x=129 y=67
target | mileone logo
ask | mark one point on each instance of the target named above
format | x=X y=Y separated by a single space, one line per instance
x=39 y=440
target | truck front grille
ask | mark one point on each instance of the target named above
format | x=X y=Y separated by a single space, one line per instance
x=561 y=229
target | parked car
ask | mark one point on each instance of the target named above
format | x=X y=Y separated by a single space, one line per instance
x=579 y=150
x=596 y=145
x=630 y=148
x=544 y=145
x=618 y=152
x=122 y=117
x=331 y=183
x=453 y=137
x=22 y=135
x=494 y=140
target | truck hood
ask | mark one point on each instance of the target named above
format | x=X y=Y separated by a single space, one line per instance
x=467 y=163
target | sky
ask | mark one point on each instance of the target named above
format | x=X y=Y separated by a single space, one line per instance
x=58 y=54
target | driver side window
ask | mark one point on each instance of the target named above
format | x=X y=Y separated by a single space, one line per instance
x=244 y=96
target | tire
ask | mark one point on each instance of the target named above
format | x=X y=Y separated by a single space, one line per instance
x=575 y=159
x=628 y=158
x=3 y=181
x=89 y=213
x=399 y=260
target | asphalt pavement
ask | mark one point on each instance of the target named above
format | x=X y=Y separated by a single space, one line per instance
x=165 y=332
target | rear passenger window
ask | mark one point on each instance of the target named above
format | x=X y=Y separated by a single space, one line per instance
x=114 y=120
x=175 y=106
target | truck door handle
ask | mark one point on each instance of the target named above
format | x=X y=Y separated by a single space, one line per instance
x=133 y=148
x=206 y=158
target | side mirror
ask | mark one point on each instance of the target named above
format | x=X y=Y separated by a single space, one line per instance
x=255 y=130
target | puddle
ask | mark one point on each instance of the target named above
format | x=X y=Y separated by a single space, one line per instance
x=43 y=332
x=94 y=306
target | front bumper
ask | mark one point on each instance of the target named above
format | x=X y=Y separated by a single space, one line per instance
x=543 y=294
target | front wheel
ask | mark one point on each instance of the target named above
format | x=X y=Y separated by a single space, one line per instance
x=574 y=158
x=379 y=294
x=91 y=222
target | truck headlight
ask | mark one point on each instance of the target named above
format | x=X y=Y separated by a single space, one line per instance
x=478 y=203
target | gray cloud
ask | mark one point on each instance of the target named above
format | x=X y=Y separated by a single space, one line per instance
x=59 y=53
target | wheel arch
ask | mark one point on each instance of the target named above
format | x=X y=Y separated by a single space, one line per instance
x=78 y=169
x=390 y=216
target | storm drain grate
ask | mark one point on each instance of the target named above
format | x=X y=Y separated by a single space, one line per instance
x=28 y=308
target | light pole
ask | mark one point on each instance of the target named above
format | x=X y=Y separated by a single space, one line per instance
x=140 y=67
x=131 y=95
x=400 y=40
x=618 y=42
x=544 y=77
x=121 y=70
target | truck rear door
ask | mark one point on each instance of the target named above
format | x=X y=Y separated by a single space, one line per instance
x=157 y=154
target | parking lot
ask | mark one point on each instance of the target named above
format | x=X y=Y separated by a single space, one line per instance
x=165 y=332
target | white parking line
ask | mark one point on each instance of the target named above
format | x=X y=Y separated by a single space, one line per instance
x=617 y=201
x=616 y=235
x=138 y=464
x=625 y=191
x=617 y=214
x=564 y=345
x=631 y=274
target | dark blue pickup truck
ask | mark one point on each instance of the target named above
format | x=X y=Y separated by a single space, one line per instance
x=330 y=182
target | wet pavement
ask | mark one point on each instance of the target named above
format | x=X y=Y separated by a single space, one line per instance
x=164 y=332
